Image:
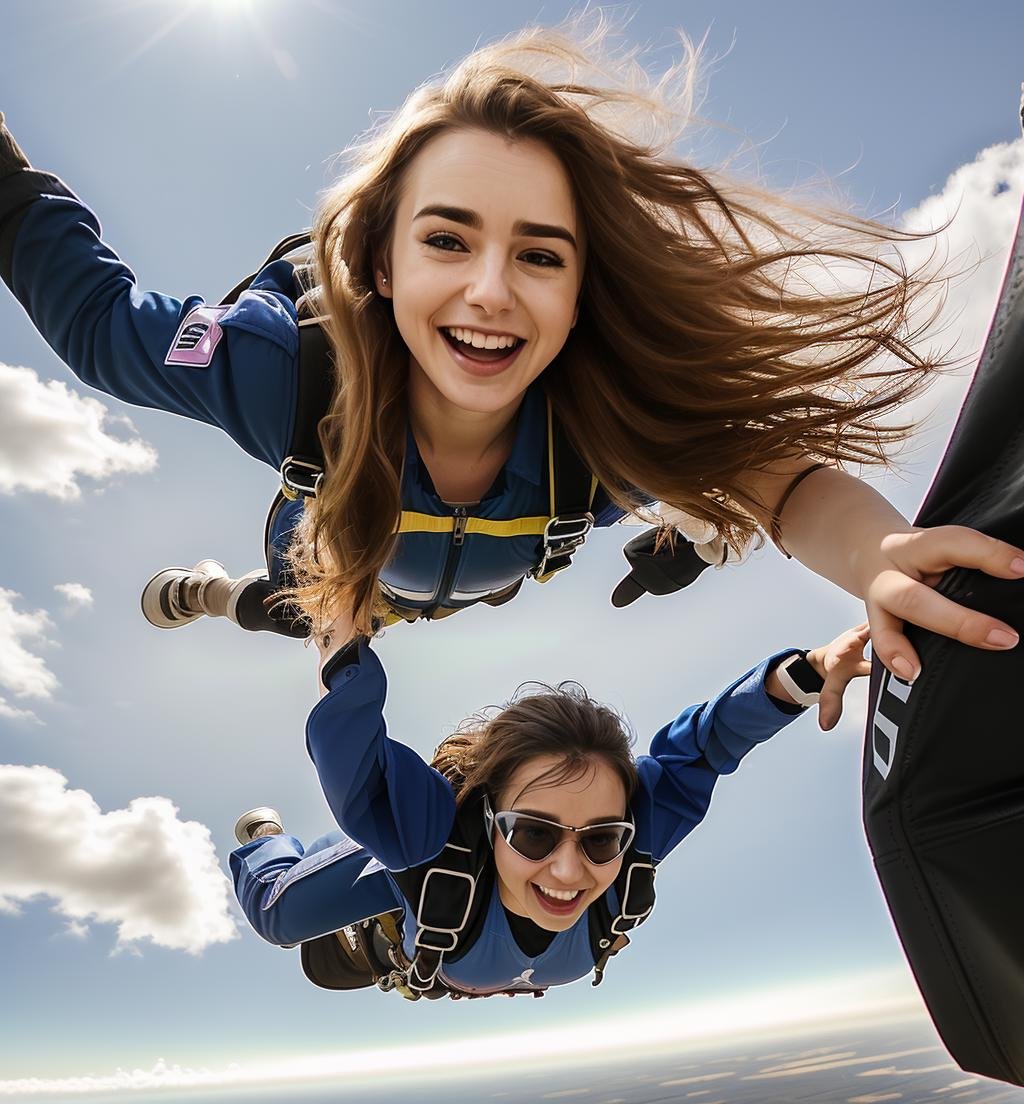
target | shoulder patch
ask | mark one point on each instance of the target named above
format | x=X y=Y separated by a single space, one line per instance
x=197 y=337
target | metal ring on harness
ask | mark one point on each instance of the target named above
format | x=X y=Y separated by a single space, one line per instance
x=562 y=536
x=300 y=478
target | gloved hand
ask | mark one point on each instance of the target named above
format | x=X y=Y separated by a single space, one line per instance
x=661 y=572
x=12 y=159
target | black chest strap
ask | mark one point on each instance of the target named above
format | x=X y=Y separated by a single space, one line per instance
x=571 y=490
x=634 y=888
x=448 y=897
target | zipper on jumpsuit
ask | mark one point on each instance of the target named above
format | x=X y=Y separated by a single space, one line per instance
x=461 y=515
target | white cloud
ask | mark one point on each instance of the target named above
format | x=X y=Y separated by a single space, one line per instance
x=141 y=868
x=981 y=202
x=22 y=672
x=76 y=595
x=50 y=436
x=14 y=714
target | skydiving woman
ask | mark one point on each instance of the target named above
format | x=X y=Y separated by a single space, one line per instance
x=519 y=857
x=501 y=247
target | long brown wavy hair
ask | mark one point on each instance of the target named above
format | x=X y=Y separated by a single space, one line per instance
x=714 y=337
x=562 y=721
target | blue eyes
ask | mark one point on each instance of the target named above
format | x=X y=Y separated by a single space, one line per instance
x=449 y=243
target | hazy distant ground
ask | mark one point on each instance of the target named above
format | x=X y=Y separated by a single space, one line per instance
x=899 y=1062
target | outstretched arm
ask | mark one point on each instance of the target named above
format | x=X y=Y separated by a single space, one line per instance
x=837 y=664
x=845 y=531
x=382 y=793
x=687 y=756
x=229 y=366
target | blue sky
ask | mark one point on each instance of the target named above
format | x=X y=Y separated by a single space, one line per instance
x=201 y=133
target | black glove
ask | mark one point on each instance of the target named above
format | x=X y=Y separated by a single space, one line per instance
x=661 y=572
x=12 y=160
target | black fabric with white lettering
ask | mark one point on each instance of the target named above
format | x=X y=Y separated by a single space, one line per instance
x=944 y=758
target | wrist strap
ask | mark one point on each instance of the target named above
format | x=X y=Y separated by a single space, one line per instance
x=802 y=695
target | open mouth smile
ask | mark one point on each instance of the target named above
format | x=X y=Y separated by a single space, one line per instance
x=481 y=353
x=559 y=902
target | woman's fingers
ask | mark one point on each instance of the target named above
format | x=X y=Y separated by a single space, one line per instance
x=842 y=667
x=898 y=599
x=830 y=706
x=933 y=551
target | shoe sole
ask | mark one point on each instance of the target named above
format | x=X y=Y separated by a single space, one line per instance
x=261 y=815
x=155 y=605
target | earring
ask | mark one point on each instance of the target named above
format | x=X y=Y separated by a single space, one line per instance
x=384 y=281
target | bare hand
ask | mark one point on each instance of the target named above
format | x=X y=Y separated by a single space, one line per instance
x=903 y=591
x=839 y=663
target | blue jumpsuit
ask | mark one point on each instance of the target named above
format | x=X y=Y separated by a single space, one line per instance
x=235 y=367
x=396 y=812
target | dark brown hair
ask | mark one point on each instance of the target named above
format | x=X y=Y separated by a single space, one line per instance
x=714 y=340
x=562 y=721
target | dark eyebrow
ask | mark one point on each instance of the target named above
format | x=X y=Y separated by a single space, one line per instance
x=461 y=215
x=592 y=821
x=521 y=229
x=543 y=230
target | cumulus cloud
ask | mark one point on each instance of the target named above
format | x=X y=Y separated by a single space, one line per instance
x=76 y=595
x=22 y=673
x=50 y=436
x=980 y=202
x=153 y=876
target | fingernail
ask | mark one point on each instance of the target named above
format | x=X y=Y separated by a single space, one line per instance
x=903 y=668
x=1017 y=566
x=1000 y=638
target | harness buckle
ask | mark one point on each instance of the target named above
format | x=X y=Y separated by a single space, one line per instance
x=300 y=478
x=627 y=918
x=562 y=536
x=429 y=939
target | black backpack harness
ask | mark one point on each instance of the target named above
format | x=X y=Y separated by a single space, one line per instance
x=448 y=900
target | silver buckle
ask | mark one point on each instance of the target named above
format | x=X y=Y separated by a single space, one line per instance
x=300 y=478
x=573 y=532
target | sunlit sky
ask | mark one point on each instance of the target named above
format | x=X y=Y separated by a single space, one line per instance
x=201 y=134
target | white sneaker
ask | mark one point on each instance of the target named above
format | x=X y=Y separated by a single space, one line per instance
x=261 y=821
x=175 y=596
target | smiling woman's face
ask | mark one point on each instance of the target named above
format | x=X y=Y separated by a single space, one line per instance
x=484 y=268
x=554 y=892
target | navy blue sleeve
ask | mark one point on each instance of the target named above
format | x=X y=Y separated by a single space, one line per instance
x=232 y=367
x=381 y=792
x=688 y=755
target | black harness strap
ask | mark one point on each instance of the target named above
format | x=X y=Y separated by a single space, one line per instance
x=449 y=894
x=302 y=469
x=634 y=888
x=572 y=487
